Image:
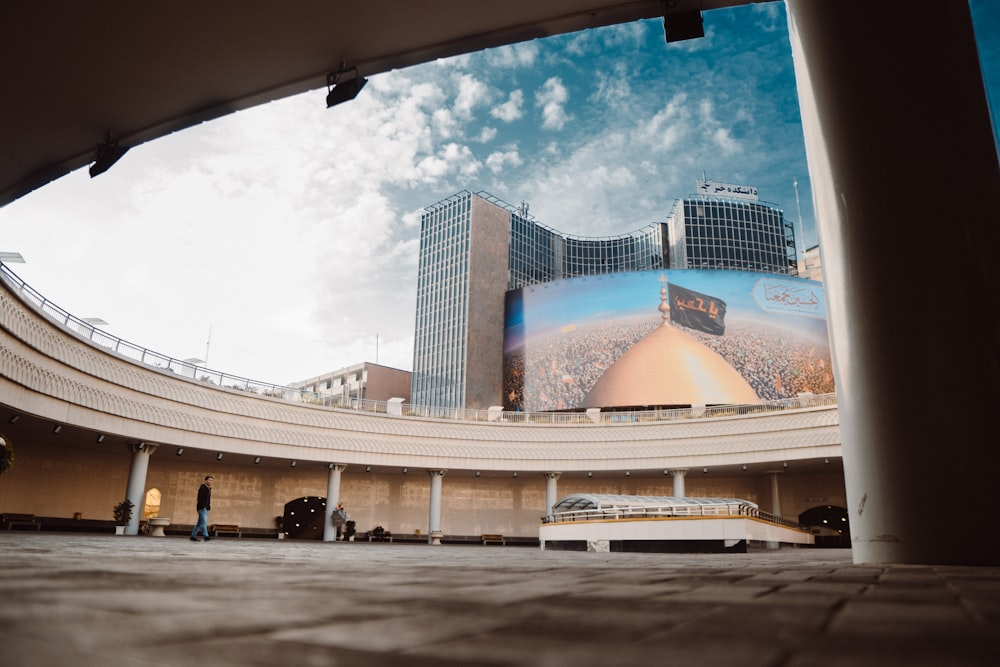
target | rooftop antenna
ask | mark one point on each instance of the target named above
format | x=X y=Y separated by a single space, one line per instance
x=800 y=249
x=208 y=343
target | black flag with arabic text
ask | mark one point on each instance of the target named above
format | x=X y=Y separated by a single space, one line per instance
x=697 y=311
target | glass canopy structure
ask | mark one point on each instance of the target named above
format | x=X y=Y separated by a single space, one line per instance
x=601 y=503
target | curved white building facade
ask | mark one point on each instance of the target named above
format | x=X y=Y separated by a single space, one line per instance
x=80 y=416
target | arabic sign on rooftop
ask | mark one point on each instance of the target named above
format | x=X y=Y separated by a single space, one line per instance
x=717 y=189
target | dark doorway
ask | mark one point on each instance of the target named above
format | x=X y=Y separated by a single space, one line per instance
x=829 y=525
x=305 y=518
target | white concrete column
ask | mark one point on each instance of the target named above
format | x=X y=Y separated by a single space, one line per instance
x=434 y=520
x=551 y=490
x=679 y=474
x=136 y=487
x=332 y=498
x=775 y=494
x=904 y=171
x=775 y=505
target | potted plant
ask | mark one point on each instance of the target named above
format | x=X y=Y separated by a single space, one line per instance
x=349 y=530
x=123 y=515
x=6 y=454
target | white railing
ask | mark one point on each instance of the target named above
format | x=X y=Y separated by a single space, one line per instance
x=742 y=509
x=99 y=337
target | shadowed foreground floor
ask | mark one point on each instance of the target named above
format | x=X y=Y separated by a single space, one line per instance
x=108 y=601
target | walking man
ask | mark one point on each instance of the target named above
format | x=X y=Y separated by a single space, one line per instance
x=204 y=506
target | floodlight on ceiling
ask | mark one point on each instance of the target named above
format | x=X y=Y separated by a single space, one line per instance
x=340 y=89
x=683 y=25
x=106 y=155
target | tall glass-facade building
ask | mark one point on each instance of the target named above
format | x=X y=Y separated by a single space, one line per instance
x=461 y=281
x=475 y=247
x=726 y=227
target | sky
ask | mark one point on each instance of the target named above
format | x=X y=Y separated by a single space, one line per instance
x=280 y=243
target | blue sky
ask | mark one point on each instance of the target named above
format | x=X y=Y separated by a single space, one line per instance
x=281 y=242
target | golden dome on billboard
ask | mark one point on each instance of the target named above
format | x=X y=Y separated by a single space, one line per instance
x=669 y=367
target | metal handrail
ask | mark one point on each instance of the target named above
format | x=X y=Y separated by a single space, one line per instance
x=101 y=338
x=670 y=511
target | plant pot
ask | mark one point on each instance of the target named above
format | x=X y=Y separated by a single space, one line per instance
x=119 y=530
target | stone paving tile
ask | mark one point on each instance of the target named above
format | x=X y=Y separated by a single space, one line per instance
x=894 y=652
x=723 y=594
x=904 y=619
x=598 y=650
x=103 y=601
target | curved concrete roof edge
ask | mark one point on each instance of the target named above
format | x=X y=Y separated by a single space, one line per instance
x=81 y=73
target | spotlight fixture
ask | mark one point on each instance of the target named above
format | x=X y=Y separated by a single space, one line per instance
x=744 y=468
x=329 y=466
x=56 y=430
x=368 y=468
x=13 y=419
x=515 y=475
x=705 y=470
x=339 y=91
x=256 y=460
x=106 y=155
x=180 y=451
x=100 y=438
x=683 y=25
x=666 y=472
x=785 y=464
x=590 y=474
x=826 y=461
x=477 y=473
x=294 y=463
x=628 y=474
x=218 y=457
x=405 y=470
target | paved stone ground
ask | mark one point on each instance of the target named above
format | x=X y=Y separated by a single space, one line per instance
x=68 y=600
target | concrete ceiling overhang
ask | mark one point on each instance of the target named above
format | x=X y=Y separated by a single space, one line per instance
x=75 y=73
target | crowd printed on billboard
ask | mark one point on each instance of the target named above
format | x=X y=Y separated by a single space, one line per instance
x=566 y=340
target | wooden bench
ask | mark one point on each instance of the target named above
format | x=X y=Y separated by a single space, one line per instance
x=227 y=529
x=9 y=520
x=498 y=539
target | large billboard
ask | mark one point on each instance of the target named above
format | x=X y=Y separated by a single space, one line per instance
x=664 y=338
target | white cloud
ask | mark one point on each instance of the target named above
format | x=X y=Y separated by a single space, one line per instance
x=772 y=19
x=517 y=55
x=552 y=99
x=622 y=35
x=510 y=110
x=724 y=140
x=721 y=137
x=614 y=88
x=499 y=160
x=445 y=123
x=471 y=94
x=667 y=127
x=487 y=134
